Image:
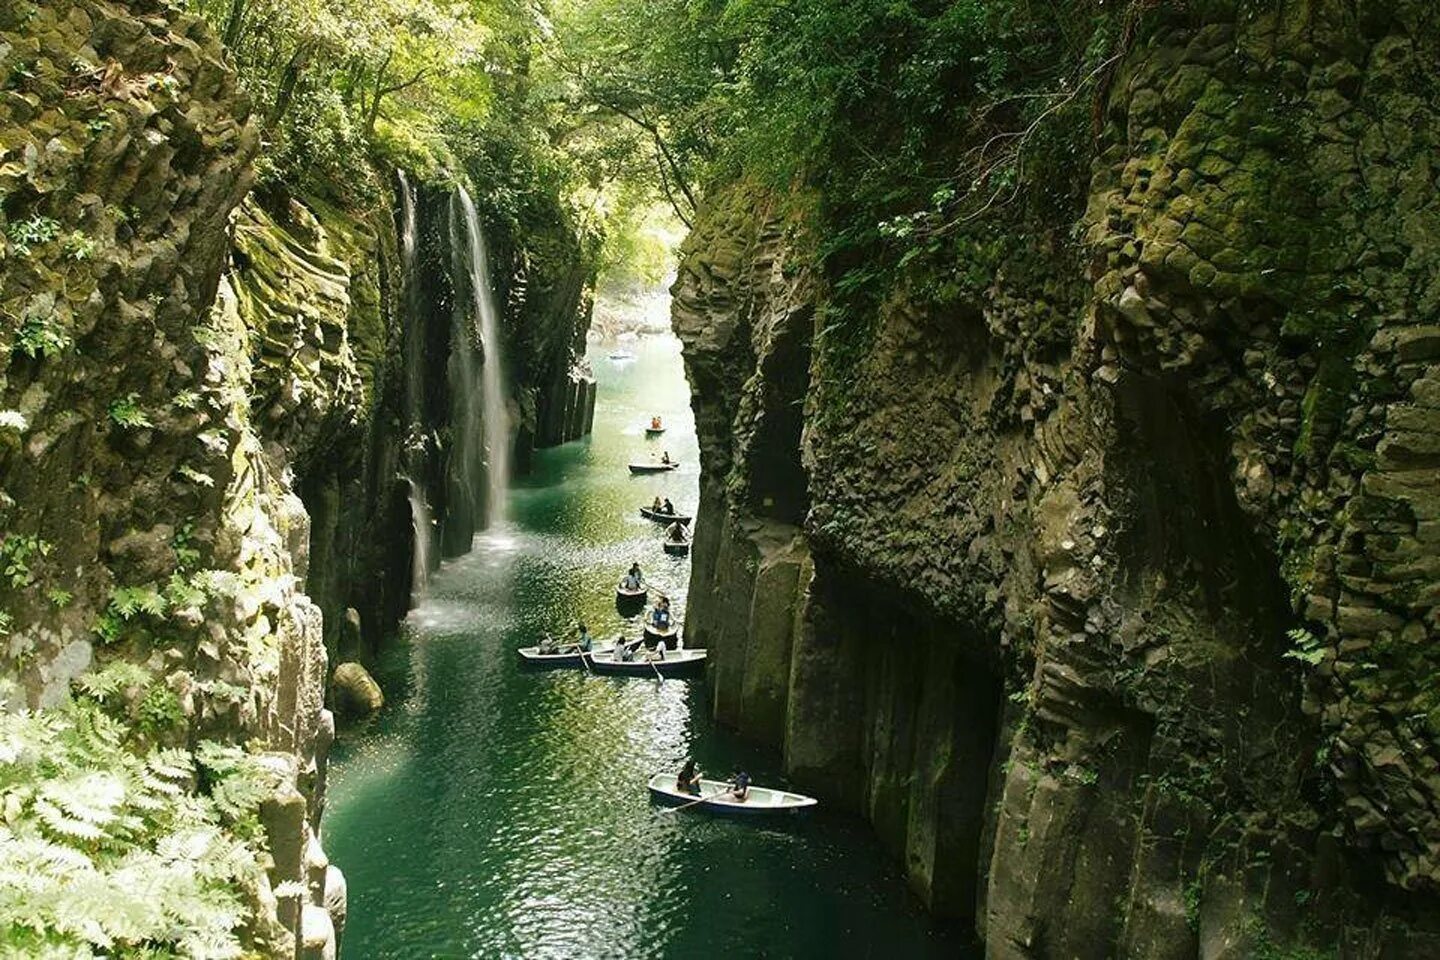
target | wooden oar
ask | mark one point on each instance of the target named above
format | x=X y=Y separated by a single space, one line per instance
x=686 y=806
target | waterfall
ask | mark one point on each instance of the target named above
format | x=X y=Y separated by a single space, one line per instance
x=492 y=409
x=424 y=527
x=414 y=360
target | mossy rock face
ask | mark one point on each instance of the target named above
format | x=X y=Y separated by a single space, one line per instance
x=1167 y=472
x=152 y=526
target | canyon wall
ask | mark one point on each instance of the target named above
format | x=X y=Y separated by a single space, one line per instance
x=1104 y=582
x=205 y=429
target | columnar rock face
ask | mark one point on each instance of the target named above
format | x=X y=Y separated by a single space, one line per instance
x=203 y=412
x=1107 y=589
x=137 y=495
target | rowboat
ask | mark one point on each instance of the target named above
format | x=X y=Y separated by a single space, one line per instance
x=661 y=517
x=670 y=635
x=677 y=548
x=675 y=663
x=653 y=467
x=715 y=796
x=623 y=596
x=654 y=431
x=533 y=657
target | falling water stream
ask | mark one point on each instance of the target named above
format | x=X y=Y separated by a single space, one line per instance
x=492 y=403
x=421 y=518
x=493 y=812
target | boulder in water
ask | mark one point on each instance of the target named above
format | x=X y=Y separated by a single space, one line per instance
x=356 y=692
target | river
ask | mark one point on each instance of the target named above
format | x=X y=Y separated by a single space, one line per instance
x=495 y=812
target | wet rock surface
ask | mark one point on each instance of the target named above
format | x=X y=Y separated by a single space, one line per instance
x=1107 y=592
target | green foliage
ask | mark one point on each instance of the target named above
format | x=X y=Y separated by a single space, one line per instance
x=125 y=412
x=183 y=543
x=912 y=120
x=129 y=601
x=113 y=679
x=17 y=553
x=109 y=851
x=160 y=712
x=1305 y=647
x=78 y=246
x=41 y=335
x=34 y=232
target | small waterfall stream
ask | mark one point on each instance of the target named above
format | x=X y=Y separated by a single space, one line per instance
x=420 y=514
x=493 y=409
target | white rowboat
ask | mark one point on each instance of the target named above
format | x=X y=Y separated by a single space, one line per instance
x=659 y=516
x=631 y=596
x=675 y=662
x=717 y=797
x=532 y=655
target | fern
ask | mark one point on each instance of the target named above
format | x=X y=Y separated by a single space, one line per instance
x=107 y=852
x=128 y=601
x=113 y=678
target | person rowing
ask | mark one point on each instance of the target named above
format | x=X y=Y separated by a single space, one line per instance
x=740 y=785
x=633 y=579
x=657 y=506
x=582 y=644
x=689 y=778
x=624 y=652
x=668 y=508
x=665 y=458
x=654 y=423
x=675 y=533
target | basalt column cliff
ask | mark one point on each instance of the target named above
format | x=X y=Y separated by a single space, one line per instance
x=206 y=459
x=1105 y=584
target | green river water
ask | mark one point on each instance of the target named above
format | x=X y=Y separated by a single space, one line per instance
x=491 y=811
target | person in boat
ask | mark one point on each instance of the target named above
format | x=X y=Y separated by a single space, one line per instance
x=660 y=616
x=740 y=785
x=633 y=579
x=624 y=652
x=654 y=423
x=668 y=507
x=657 y=652
x=547 y=646
x=676 y=532
x=657 y=506
x=689 y=779
x=665 y=458
x=583 y=643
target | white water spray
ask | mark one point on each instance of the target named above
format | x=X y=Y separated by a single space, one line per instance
x=495 y=413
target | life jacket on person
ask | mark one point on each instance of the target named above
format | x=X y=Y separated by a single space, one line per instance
x=661 y=619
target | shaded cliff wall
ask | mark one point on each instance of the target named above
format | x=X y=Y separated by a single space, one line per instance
x=1107 y=588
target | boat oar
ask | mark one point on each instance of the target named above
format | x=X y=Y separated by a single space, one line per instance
x=687 y=806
